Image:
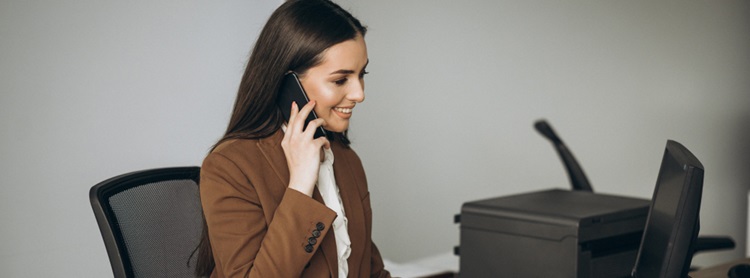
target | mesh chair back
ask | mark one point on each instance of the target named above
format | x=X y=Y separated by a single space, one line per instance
x=151 y=221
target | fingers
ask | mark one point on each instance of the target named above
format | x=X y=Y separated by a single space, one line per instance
x=298 y=122
x=309 y=132
x=314 y=125
x=323 y=142
x=293 y=113
x=301 y=150
x=297 y=118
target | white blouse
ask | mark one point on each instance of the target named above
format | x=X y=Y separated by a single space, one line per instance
x=332 y=198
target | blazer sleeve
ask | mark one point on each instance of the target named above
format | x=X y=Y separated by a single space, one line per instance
x=244 y=242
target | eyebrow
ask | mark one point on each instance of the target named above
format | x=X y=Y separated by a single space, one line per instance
x=348 y=71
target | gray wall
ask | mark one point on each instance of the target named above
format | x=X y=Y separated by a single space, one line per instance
x=89 y=90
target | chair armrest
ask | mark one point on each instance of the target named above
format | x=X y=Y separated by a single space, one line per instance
x=709 y=243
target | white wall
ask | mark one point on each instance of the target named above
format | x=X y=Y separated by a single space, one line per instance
x=92 y=89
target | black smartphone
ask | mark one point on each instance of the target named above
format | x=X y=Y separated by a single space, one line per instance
x=292 y=91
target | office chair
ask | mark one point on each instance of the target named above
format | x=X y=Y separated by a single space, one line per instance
x=579 y=181
x=151 y=221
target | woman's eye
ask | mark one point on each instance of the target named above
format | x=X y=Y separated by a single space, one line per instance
x=340 y=81
x=362 y=75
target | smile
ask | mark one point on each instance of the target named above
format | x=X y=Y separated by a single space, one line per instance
x=343 y=110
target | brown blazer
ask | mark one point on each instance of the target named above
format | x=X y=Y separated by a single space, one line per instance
x=260 y=228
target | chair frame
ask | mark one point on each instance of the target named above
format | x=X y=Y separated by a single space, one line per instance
x=99 y=193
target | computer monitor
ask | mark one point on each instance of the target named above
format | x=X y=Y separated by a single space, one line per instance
x=672 y=223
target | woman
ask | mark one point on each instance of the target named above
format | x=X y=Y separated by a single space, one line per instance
x=276 y=203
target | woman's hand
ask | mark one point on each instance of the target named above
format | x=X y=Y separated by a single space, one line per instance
x=301 y=150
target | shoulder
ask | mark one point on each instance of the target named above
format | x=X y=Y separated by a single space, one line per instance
x=240 y=149
x=229 y=153
x=241 y=163
x=234 y=147
x=227 y=158
x=245 y=155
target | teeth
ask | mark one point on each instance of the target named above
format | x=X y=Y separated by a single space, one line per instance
x=344 y=110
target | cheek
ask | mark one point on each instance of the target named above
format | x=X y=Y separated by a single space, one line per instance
x=314 y=93
x=327 y=98
x=321 y=111
x=323 y=99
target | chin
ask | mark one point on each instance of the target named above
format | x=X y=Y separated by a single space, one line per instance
x=337 y=129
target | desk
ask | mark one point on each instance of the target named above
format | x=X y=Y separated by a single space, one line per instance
x=719 y=271
x=446 y=266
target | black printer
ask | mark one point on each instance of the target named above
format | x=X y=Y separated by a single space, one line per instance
x=551 y=233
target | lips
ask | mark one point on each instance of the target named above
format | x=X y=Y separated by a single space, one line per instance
x=343 y=112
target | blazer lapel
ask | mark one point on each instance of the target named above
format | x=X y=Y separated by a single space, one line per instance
x=274 y=154
x=349 y=190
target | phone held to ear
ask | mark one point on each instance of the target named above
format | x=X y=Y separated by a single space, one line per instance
x=292 y=91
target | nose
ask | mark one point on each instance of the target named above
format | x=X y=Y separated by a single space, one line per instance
x=357 y=92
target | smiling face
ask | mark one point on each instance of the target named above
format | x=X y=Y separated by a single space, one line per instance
x=337 y=83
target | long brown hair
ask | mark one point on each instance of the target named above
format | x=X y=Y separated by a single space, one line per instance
x=294 y=38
